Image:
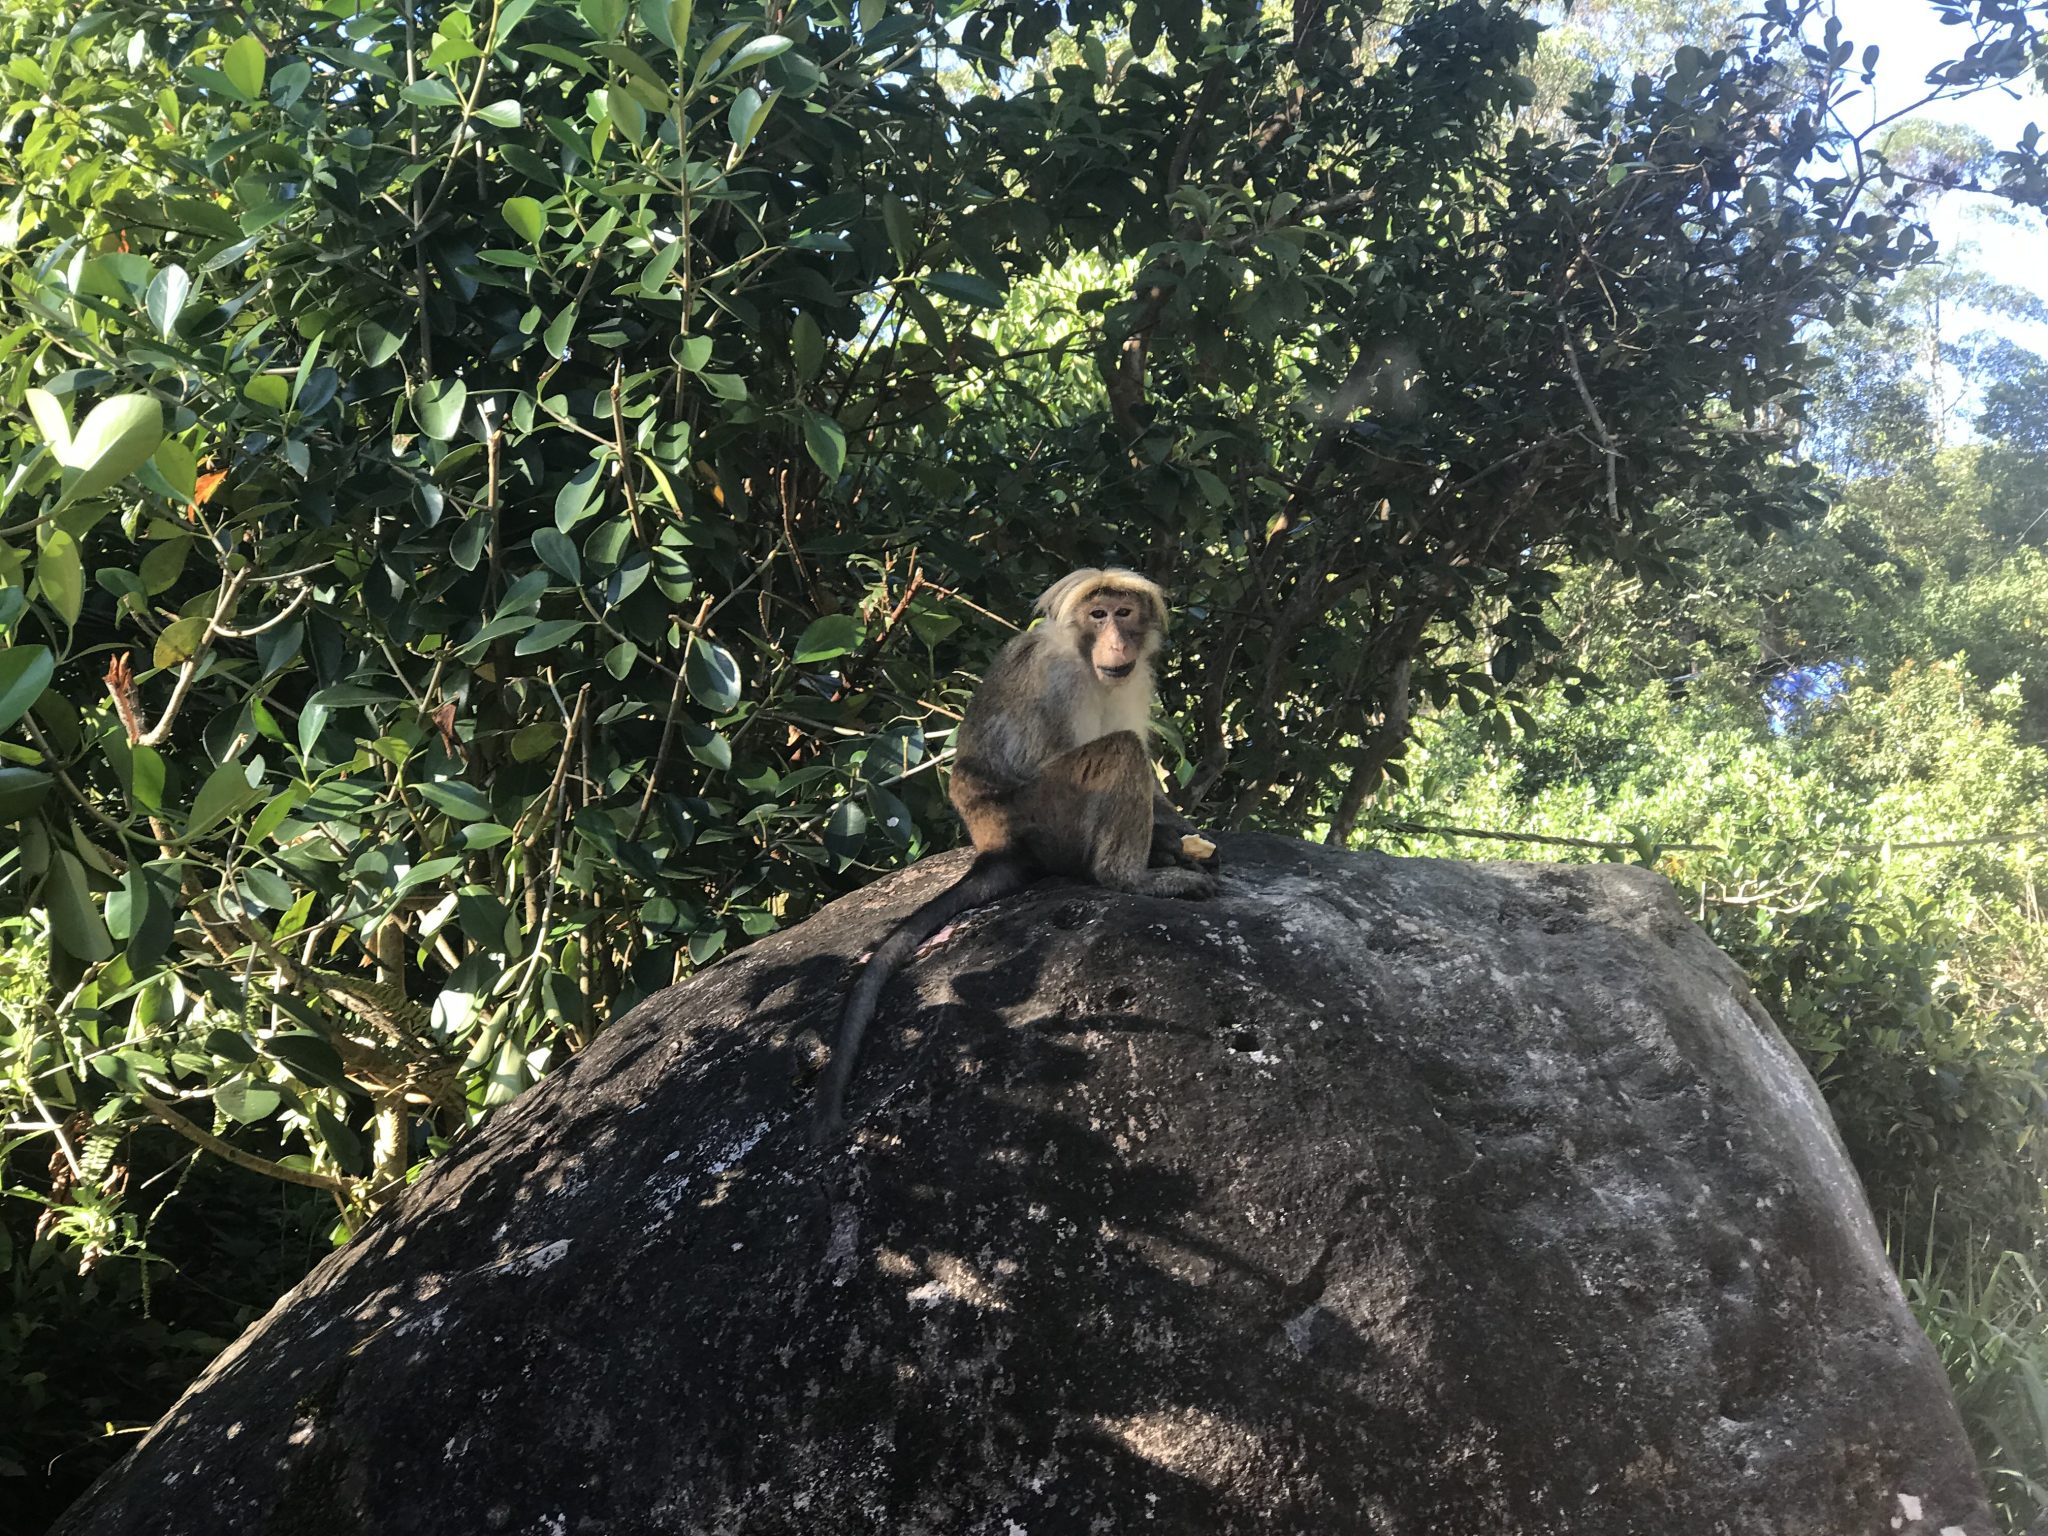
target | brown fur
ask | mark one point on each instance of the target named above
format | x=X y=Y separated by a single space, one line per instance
x=1051 y=776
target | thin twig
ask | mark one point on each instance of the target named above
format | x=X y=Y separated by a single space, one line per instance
x=229 y=1152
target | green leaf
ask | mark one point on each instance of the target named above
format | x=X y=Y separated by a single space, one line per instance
x=437 y=407
x=180 y=470
x=707 y=746
x=115 y=440
x=556 y=337
x=807 y=347
x=713 y=677
x=526 y=217
x=247 y=1102
x=25 y=671
x=604 y=17
x=50 y=420
x=558 y=553
x=902 y=233
x=846 y=830
x=547 y=635
x=759 y=51
x=693 y=353
x=431 y=93
x=679 y=13
x=484 y=834
x=75 y=921
x=500 y=114
x=967 y=288
x=226 y=791
x=243 y=63
x=308 y=1058
x=620 y=658
x=229 y=1045
x=379 y=342
x=60 y=572
x=267 y=888
x=272 y=816
x=342 y=1142
x=22 y=791
x=744 y=118
x=152 y=916
x=146 y=777
x=577 y=498
x=464 y=802
x=179 y=641
x=268 y=390
x=833 y=635
x=627 y=115
x=166 y=298
x=825 y=443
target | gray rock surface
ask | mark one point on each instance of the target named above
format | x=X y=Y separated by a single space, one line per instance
x=1388 y=1196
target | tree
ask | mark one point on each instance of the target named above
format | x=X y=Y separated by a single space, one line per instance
x=500 y=501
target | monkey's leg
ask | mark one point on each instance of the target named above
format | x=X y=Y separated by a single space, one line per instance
x=1089 y=812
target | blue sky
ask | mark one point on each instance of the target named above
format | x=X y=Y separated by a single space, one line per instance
x=1911 y=38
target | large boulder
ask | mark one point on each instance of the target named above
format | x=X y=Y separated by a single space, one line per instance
x=1388 y=1196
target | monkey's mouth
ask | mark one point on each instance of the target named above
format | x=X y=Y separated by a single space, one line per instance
x=1117 y=674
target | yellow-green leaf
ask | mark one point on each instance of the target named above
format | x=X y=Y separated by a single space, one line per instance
x=116 y=438
x=243 y=64
x=525 y=217
x=179 y=642
x=60 y=572
x=225 y=791
x=50 y=419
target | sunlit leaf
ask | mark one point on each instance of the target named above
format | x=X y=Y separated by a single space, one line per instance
x=437 y=407
x=244 y=64
x=712 y=675
x=60 y=572
x=115 y=439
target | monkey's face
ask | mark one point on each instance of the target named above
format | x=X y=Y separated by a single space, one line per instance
x=1116 y=632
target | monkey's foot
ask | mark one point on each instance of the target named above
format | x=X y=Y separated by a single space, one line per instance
x=1185 y=884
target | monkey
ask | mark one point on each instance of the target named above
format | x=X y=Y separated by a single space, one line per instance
x=1052 y=775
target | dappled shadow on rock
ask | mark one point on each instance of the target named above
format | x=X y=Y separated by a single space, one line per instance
x=1377 y=1196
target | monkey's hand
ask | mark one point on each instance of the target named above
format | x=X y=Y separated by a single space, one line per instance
x=1176 y=844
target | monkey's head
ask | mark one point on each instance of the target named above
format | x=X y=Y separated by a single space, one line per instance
x=1115 y=620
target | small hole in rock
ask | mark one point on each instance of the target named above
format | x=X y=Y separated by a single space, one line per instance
x=1118 y=999
x=1244 y=1040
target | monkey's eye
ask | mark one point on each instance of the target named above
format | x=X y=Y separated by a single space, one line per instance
x=1098 y=615
x=1123 y=613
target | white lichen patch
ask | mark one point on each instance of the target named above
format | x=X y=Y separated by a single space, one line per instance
x=737 y=1147
x=950 y=1278
x=1199 y=1446
x=544 y=1256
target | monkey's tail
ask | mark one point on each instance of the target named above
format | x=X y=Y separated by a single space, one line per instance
x=990 y=877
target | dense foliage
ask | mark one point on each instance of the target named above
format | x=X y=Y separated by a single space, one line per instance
x=502 y=504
